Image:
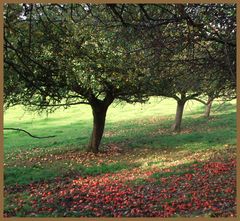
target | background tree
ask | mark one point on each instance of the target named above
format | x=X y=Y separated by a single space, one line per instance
x=201 y=60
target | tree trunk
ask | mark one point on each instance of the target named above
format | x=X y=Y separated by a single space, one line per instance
x=176 y=127
x=99 y=116
x=208 y=108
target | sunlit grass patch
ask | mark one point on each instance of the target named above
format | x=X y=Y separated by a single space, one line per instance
x=171 y=173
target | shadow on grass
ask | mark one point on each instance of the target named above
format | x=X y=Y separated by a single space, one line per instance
x=151 y=181
x=198 y=133
x=26 y=175
x=181 y=169
x=148 y=132
x=216 y=108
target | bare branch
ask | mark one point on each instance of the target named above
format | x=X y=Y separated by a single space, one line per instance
x=33 y=136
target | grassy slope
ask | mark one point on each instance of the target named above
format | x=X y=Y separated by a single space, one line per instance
x=72 y=127
x=143 y=131
x=130 y=126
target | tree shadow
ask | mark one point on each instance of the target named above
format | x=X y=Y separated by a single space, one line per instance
x=198 y=132
x=148 y=132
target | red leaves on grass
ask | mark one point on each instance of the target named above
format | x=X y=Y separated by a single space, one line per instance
x=210 y=189
x=216 y=167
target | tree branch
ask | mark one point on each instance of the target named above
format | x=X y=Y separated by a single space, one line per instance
x=60 y=105
x=18 y=129
x=199 y=100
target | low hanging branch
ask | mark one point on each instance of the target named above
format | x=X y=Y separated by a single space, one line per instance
x=18 y=129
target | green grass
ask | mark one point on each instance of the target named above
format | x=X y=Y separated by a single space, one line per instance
x=168 y=174
x=25 y=175
x=133 y=126
x=128 y=123
x=73 y=126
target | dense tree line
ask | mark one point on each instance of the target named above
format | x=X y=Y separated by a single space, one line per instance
x=68 y=54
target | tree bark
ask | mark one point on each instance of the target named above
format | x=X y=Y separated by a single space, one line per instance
x=208 y=108
x=176 y=127
x=99 y=115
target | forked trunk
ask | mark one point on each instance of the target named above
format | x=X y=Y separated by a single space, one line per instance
x=176 y=127
x=208 y=108
x=99 y=116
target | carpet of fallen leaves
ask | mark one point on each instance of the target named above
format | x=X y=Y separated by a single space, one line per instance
x=206 y=187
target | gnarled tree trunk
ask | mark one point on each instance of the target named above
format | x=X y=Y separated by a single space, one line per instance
x=176 y=127
x=208 y=108
x=99 y=115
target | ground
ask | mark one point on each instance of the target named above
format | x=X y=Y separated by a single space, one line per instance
x=143 y=168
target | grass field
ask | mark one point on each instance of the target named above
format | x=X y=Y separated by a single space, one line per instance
x=138 y=149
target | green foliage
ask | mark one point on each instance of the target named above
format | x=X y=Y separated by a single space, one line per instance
x=65 y=54
x=58 y=61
